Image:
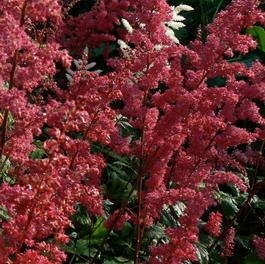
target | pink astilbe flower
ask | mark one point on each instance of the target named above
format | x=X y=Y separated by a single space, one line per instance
x=214 y=224
x=94 y=27
x=46 y=190
x=116 y=221
x=31 y=257
x=229 y=242
x=259 y=244
x=193 y=126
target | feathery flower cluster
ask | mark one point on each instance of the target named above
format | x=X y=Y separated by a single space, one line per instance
x=176 y=22
x=229 y=242
x=259 y=243
x=214 y=224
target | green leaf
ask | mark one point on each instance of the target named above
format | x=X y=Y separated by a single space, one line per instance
x=156 y=231
x=252 y=259
x=202 y=254
x=205 y=238
x=244 y=241
x=6 y=85
x=100 y=50
x=81 y=248
x=229 y=207
x=258 y=203
x=233 y=189
x=249 y=58
x=179 y=208
x=216 y=82
x=99 y=231
x=39 y=153
x=4 y=213
x=258 y=33
x=168 y=219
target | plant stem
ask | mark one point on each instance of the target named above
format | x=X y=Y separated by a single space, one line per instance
x=217 y=9
x=204 y=22
x=11 y=83
x=3 y=133
x=138 y=221
x=23 y=13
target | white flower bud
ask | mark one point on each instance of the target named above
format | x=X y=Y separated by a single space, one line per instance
x=176 y=25
x=127 y=25
x=170 y=33
x=122 y=44
x=177 y=17
x=158 y=47
x=142 y=25
x=180 y=8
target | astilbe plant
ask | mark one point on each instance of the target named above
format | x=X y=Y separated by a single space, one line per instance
x=188 y=132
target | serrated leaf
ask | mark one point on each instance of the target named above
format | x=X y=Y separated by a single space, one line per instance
x=258 y=33
x=4 y=213
x=229 y=207
x=39 y=153
x=202 y=254
x=260 y=204
x=233 y=189
x=98 y=232
x=90 y=65
x=249 y=59
x=244 y=241
x=156 y=231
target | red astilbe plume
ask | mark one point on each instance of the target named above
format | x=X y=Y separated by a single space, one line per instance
x=187 y=128
x=116 y=222
x=214 y=224
x=45 y=191
x=229 y=242
x=92 y=28
x=259 y=244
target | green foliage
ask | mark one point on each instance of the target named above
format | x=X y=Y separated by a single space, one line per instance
x=4 y=213
x=39 y=152
x=100 y=50
x=258 y=33
x=228 y=204
x=252 y=259
x=202 y=254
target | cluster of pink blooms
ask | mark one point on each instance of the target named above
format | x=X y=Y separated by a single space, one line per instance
x=214 y=224
x=229 y=242
x=189 y=131
x=259 y=243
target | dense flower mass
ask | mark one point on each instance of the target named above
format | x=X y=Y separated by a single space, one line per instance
x=214 y=223
x=190 y=138
x=229 y=242
x=259 y=243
